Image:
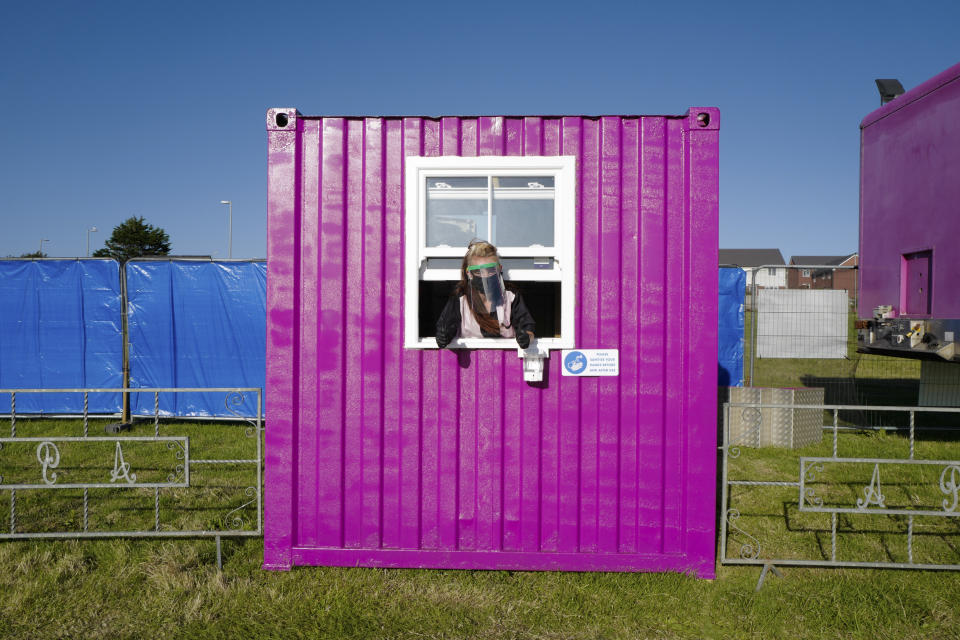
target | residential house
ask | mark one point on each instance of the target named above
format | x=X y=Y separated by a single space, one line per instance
x=770 y=276
x=808 y=276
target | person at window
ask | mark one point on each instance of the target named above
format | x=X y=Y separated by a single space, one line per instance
x=481 y=306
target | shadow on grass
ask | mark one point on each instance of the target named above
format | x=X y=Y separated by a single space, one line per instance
x=891 y=392
x=903 y=392
x=823 y=537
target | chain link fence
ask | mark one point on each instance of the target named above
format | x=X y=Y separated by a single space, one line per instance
x=800 y=332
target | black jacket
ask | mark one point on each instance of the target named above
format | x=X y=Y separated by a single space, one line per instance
x=448 y=326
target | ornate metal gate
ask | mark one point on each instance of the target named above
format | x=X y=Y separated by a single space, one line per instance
x=858 y=498
x=164 y=479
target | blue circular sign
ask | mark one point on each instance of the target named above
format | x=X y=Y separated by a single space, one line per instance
x=575 y=362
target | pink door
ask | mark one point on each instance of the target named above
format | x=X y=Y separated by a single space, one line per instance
x=915 y=279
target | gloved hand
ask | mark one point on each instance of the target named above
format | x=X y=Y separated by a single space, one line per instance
x=442 y=340
x=523 y=339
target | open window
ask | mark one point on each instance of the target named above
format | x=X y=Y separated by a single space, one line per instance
x=525 y=206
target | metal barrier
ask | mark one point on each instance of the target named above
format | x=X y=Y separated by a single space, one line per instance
x=878 y=505
x=196 y=481
x=800 y=332
x=810 y=321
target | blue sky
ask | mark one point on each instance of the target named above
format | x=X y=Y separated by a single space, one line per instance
x=113 y=109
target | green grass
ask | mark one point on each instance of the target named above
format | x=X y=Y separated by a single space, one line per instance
x=130 y=589
x=171 y=588
x=125 y=589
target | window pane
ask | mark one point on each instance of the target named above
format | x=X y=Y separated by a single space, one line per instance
x=456 y=211
x=523 y=211
x=523 y=182
x=456 y=184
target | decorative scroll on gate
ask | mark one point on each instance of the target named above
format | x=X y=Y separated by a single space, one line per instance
x=77 y=485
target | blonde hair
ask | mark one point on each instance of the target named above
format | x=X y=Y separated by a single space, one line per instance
x=478 y=249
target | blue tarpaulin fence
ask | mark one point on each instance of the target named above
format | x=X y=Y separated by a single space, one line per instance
x=730 y=335
x=60 y=327
x=196 y=324
x=191 y=324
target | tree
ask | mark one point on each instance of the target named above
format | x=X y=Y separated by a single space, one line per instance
x=133 y=238
x=33 y=254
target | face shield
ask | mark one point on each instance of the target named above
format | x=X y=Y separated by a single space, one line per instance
x=486 y=281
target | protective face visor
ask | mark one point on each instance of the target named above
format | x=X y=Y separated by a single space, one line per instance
x=486 y=280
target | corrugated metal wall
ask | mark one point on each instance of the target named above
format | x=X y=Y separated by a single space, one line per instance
x=383 y=456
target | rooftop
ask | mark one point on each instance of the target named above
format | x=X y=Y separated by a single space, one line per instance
x=821 y=260
x=750 y=257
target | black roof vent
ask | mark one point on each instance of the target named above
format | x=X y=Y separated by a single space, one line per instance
x=889 y=89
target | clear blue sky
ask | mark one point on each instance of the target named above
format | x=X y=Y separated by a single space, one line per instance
x=113 y=109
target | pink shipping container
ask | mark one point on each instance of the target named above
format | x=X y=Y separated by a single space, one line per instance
x=383 y=450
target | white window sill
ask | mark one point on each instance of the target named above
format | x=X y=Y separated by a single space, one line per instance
x=492 y=343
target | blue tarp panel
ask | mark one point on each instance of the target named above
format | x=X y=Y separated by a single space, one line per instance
x=196 y=324
x=192 y=324
x=730 y=354
x=60 y=327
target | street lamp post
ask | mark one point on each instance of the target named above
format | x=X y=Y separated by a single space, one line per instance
x=42 y=240
x=89 y=231
x=230 y=232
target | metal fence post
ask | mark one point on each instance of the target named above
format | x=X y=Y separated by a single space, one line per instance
x=125 y=332
x=753 y=322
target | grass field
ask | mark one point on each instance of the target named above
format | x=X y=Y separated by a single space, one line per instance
x=172 y=588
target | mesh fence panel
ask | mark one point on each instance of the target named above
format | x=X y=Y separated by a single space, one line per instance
x=800 y=331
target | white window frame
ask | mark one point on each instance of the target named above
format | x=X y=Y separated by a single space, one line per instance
x=563 y=253
x=805 y=273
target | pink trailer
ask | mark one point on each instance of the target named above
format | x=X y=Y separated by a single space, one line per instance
x=909 y=190
x=909 y=262
x=594 y=449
